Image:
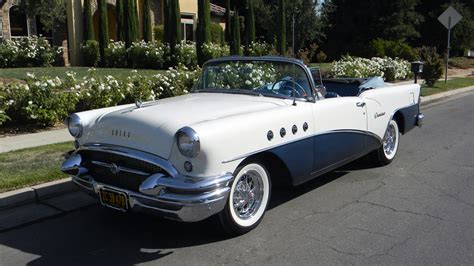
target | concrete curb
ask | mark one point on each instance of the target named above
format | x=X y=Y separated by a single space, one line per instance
x=36 y=193
x=437 y=96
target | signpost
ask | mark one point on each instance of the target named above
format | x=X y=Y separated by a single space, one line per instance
x=449 y=18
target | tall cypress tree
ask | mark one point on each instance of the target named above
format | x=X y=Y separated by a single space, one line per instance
x=228 y=32
x=88 y=22
x=281 y=22
x=131 y=22
x=103 y=30
x=166 y=21
x=204 y=28
x=147 y=21
x=235 y=46
x=119 y=7
x=249 y=23
x=175 y=24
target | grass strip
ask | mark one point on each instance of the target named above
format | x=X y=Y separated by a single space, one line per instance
x=32 y=166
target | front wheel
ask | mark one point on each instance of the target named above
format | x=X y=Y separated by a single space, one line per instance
x=386 y=153
x=248 y=199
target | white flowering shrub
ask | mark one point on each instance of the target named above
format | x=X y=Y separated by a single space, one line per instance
x=116 y=54
x=185 y=54
x=38 y=101
x=259 y=49
x=26 y=52
x=241 y=75
x=357 y=67
x=148 y=54
x=214 y=50
x=45 y=101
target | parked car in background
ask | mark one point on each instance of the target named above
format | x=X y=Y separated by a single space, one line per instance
x=248 y=123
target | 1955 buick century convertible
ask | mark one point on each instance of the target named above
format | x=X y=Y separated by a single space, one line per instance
x=247 y=123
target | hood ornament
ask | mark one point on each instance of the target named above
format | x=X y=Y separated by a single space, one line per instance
x=138 y=103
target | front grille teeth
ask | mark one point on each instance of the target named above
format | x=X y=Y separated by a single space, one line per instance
x=116 y=168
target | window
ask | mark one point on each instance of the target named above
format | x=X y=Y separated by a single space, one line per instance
x=18 y=22
x=41 y=31
x=187 y=28
x=1 y=25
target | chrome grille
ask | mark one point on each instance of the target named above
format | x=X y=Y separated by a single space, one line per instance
x=131 y=174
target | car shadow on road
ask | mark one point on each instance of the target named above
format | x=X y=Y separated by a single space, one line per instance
x=96 y=235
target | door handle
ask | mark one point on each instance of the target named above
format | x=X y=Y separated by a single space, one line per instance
x=360 y=104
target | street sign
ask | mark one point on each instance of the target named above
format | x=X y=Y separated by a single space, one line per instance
x=449 y=18
x=450 y=13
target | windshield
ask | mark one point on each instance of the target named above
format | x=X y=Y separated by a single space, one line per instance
x=267 y=78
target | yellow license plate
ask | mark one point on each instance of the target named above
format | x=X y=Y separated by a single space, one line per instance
x=113 y=199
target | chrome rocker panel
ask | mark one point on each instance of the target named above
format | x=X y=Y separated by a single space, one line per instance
x=176 y=197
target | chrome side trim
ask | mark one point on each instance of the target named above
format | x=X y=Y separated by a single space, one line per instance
x=120 y=168
x=136 y=154
x=303 y=138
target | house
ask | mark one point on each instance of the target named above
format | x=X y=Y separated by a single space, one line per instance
x=16 y=23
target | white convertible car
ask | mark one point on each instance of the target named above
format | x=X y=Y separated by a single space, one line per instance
x=247 y=123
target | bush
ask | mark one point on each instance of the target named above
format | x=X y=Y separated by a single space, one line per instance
x=40 y=101
x=259 y=49
x=433 y=67
x=148 y=55
x=321 y=57
x=116 y=55
x=395 y=49
x=159 y=33
x=185 y=55
x=26 y=52
x=212 y=50
x=90 y=53
x=217 y=33
x=357 y=67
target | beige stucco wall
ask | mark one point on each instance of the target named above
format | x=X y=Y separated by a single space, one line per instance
x=189 y=6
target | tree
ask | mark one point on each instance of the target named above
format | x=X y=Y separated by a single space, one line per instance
x=434 y=33
x=203 y=28
x=131 y=19
x=166 y=21
x=228 y=22
x=235 y=45
x=88 y=22
x=103 y=29
x=249 y=23
x=119 y=7
x=147 y=36
x=49 y=12
x=281 y=31
x=173 y=29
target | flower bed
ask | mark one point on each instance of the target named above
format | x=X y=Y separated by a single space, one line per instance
x=45 y=101
x=357 y=67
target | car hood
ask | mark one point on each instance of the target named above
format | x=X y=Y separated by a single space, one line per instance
x=152 y=127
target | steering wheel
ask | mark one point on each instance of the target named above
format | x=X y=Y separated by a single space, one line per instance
x=299 y=90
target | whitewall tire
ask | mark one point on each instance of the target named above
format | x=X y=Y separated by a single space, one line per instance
x=248 y=199
x=387 y=152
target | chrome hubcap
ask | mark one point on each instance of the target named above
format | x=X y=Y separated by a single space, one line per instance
x=389 y=140
x=248 y=195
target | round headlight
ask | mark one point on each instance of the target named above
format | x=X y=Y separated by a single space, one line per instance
x=188 y=142
x=74 y=125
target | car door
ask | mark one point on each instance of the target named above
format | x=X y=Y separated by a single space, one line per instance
x=340 y=132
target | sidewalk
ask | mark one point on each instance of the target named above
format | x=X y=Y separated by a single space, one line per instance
x=33 y=140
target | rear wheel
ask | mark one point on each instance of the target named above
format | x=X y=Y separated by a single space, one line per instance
x=386 y=153
x=248 y=199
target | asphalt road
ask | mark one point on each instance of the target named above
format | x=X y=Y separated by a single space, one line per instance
x=418 y=210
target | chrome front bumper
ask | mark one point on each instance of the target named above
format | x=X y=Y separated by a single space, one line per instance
x=419 y=119
x=176 y=197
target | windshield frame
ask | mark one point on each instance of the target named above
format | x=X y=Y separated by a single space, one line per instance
x=276 y=59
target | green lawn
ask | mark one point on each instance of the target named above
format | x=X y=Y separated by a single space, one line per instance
x=452 y=84
x=32 y=166
x=20 y=73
